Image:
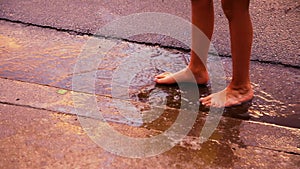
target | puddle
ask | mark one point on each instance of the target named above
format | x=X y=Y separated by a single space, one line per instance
x=265 y=107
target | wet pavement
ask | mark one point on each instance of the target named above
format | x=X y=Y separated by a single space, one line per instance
x=54 y=57
x=38 y=118
x=41 y=139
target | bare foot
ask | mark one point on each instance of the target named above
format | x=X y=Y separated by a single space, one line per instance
x=228 y=97
x=185 y=75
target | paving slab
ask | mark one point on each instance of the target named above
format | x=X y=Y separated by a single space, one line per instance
x=49 y=59
x=41 y=139
x=276 y=23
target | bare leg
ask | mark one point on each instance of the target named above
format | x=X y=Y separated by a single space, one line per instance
x=241 y=34
x=202 y=18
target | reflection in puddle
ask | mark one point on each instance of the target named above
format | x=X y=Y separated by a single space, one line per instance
x=267 y=108
x=265 y=104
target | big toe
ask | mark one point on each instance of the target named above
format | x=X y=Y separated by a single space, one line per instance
x=165 y=80
x=163 y=75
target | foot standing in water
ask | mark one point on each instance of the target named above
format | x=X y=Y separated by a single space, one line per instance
x=241 y=34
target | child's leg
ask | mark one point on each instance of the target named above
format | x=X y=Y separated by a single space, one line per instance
x=239 y=90
x=203 y=18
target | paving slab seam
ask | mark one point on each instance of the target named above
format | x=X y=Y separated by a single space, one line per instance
x=78 y=33
x=23 y=81
x=110 y=120
x=46 y=85
x=276 y=63
x=64 y=113
x=61 y=112
x=73 y=32
x=32 y=107
x=110 y=97
x=23 y=105
x=280 y=151
x=186 y=137
x=81 y=92
x=265 y=61
x=270 y=124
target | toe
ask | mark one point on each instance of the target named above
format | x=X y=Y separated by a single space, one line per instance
x=165 y=80
x=206 y=102
x=205 y=99
x=162 y=75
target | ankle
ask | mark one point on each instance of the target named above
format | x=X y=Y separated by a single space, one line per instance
x=198 y=70
x=244 y=88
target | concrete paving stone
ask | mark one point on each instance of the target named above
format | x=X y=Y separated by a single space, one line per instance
x=41 y=139
x=276 y=23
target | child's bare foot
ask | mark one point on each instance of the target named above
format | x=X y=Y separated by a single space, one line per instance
x=185 y=75
x=228 y=97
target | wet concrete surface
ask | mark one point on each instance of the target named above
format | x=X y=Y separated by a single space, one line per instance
x=36 y=78
x=42 y=139
x=52 y=59
x=276 y=22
